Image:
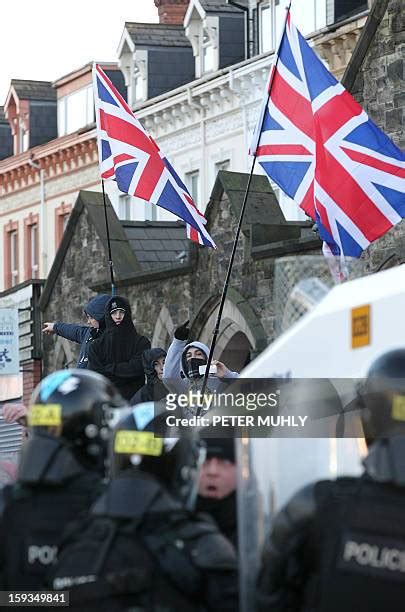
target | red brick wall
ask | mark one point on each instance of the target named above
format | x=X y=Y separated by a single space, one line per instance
x=171 y=11
x=32 y=371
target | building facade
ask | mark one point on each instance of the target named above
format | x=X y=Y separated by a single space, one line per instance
x=196 y=81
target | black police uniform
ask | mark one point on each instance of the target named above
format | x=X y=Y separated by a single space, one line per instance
x=339 y=546
x=141 y=550
x=52 y=489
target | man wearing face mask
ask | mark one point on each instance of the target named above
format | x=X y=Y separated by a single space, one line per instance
x=181 y=372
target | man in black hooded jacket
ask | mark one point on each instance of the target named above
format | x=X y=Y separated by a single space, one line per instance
x=118 y=353
x=153 y=390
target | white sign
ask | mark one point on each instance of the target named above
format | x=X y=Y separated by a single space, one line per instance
x=9 y=359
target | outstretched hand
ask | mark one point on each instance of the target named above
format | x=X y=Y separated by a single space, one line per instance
x=48 y=328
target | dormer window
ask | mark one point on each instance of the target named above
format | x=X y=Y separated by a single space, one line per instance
x=139 y=86
x=23 y=138
x=308 y=16
x=75 y=110
x=207 y=53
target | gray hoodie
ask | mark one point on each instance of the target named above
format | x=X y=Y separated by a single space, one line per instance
x=174 y=377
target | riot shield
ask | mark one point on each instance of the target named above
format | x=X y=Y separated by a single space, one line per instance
x=273 y=468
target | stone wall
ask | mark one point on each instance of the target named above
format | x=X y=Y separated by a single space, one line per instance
x=380 y=86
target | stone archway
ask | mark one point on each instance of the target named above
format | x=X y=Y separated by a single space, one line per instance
x=163 y=331
x=241 y=335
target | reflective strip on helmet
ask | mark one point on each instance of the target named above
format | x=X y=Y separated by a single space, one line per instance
x=138 y=442
x=42 y=415
x=398 y=408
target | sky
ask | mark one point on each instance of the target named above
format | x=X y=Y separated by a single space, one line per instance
x=47 y=39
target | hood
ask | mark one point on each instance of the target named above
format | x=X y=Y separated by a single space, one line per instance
x=149 y=357
x=96 y=307
x=203 y=347
x=120 y=302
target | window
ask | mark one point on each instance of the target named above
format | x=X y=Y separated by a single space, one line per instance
x=266 y=36
x=65 y=219
x=124 y=207
x=31 y=246
x=139 y=89
x=75 y=110
x=308 y=16
x=193 y=185
x=13 y=236
x=222 y=165
x=207 y=53
x=23 y=138
x=62 y=215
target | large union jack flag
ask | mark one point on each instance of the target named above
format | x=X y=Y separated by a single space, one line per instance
x=128 y=155
x=321 y=148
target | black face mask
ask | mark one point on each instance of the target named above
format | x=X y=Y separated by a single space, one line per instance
x=193 y=365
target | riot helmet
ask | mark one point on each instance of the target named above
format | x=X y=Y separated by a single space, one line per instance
x=142 y=441
x=382 y=397
x=69 y=420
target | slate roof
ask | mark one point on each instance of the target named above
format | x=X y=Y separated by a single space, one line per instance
x=157 y=34
x=2 y=115
x=213 y=6
x=157 y=244
x=34 y=90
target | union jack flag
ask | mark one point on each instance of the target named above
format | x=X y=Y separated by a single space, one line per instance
x=321 y=148
x=128 y=155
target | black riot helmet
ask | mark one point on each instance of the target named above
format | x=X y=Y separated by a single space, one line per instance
x=143 y=442
x=69 y=425
x=383 y=397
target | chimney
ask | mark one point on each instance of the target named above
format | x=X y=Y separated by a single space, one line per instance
x=171 y=11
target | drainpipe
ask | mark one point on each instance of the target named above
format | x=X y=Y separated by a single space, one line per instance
x=43 y=223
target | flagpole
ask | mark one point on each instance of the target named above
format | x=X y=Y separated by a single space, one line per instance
x=238 y=230
x=110 y=262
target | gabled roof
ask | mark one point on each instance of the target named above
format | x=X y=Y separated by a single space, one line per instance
x=157 y=244
x=157 y=34
x=262 y=205
x=33 y=90
x=213 y=6
x=139 y=248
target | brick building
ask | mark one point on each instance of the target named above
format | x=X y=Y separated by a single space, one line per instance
x=168 y=280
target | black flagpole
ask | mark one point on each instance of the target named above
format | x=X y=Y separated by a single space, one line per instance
x=110 y=262
x=235 y=243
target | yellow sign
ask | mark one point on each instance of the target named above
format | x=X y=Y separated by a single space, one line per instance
x=138 y=442
x=398 y=408
x=361 y=325
x=44 y=415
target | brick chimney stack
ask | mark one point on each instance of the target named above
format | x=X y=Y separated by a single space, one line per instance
x=171 y=11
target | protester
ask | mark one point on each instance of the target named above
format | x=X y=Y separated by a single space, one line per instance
x=82 y=334
x=117 y=354
x=141 y=547
x=182 y=366
x=217 y=486
x=338 y=545
x=153 y=361
x=61 y=471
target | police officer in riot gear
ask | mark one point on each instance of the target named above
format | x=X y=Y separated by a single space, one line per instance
x=141 y=547
x=60 y=472
x=340 y=545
